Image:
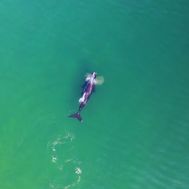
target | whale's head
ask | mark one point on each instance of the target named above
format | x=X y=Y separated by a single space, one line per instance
x=94 y=75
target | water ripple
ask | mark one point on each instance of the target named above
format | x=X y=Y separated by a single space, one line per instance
x=67 y=165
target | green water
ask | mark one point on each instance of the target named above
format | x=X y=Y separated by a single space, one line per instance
x=135 y=129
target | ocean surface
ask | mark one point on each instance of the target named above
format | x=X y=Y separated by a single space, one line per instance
x=135 y=133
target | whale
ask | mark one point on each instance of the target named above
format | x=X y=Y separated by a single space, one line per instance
x=88 y=89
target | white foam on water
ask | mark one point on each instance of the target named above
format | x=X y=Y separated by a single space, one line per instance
x=78 y=170
x=54 y=159
x=63 y=162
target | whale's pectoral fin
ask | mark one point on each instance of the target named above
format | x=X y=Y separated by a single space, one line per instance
x=84 y=86
x=76 y=116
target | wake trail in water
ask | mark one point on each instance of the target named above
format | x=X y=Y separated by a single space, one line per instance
x=64 y=159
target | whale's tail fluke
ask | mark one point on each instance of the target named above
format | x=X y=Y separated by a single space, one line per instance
x=77 y=116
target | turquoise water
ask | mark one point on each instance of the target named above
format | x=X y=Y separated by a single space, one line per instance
x=135 y=129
